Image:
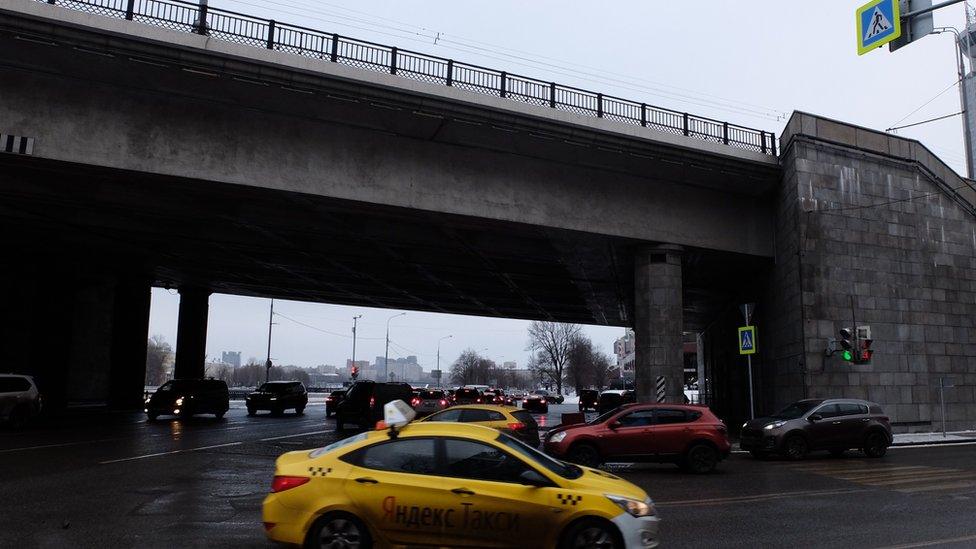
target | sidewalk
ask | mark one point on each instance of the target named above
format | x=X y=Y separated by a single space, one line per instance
x=914 y=439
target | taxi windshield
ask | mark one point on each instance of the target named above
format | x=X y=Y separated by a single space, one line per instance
x=564 y=470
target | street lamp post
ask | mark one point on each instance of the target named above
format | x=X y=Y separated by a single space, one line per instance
x=439 y=377
x=354 y=319
x=386 y=354
x=267 y=364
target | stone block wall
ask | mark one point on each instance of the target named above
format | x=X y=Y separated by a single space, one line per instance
x=875 y=223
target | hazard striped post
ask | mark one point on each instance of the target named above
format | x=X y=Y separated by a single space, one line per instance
x=659 y=386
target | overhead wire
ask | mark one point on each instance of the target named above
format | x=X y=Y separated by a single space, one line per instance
x=923 y=105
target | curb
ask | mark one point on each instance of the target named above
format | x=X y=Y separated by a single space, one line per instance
x=935 y=442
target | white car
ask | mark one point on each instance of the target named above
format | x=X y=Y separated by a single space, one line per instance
x=19 y=399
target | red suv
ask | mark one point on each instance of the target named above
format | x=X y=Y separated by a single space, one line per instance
x=690 y=436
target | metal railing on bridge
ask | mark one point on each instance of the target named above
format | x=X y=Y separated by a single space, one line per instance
x=263 y=33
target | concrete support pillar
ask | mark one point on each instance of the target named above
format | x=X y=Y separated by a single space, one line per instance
x=658 y=323
x=191 y=332
x=130 y=330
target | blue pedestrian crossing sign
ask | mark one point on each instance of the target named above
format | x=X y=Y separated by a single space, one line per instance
x=747 y=340
x=878 y=22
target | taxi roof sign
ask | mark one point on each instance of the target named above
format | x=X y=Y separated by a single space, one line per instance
x=397 y=413
x=878 y=22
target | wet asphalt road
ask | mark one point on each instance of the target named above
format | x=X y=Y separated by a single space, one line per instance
x=118 y=481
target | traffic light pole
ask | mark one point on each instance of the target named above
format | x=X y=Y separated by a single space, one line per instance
x=354 y=369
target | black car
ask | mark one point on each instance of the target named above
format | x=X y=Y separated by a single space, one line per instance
x=332 y=402
x=588 y=399
x=613 y=398
x=186 y=397
x=364 y=402
x=467 y=395
x=278 y=396
x=536 y=402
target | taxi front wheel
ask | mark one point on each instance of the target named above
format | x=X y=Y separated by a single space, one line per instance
x=338 y=531
x=591 y=534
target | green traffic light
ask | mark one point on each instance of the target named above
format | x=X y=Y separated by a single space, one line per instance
x=846 y=355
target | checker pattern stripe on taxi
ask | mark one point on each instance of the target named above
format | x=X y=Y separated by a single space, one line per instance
x=319 y=471
x=568 y=499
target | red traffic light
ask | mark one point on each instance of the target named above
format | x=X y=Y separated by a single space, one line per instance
x=865 y=352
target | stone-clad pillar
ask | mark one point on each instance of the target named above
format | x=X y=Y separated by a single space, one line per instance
x=130 y=331
x=191 y=332
x=658 y=323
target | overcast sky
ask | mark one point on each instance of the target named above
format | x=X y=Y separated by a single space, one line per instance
x=750 y=63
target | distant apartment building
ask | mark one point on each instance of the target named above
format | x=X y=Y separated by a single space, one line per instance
x=231 y=357
x=510 y=364
x=623 y=347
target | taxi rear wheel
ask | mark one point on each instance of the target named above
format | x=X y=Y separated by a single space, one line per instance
x=338 y=531
x=591 y=534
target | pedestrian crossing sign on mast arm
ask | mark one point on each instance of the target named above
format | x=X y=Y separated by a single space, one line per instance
x=747 y=340
x=878 y=22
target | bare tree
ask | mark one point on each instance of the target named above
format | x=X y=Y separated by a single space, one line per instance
x=157 y=353
x=550 y=343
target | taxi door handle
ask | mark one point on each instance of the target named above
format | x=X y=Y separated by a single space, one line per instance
x=463 y=491
x=367 y=480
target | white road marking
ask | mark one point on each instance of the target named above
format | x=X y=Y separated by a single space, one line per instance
x=930 y=543
x=751 y=499
x=172 y=452
x=295 y=435
x=56 y=445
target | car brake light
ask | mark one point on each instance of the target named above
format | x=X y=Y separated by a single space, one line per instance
x=372 y=402
x=543 y=401
x=443 y=403
x=517 y=426
x=329 y=399
x=282 y=483
x=479 y=400
x=415 y=402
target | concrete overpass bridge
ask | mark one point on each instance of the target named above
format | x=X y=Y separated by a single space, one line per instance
x=254 y=158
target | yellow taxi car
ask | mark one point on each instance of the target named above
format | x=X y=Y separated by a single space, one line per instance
x=507 y=419
x=448 y=484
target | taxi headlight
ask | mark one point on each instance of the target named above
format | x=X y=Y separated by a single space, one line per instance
x=558 y=437
x=179 y=401
x=634 y=507
x=774 y=425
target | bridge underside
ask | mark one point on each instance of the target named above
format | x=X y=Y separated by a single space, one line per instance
x=249 y=241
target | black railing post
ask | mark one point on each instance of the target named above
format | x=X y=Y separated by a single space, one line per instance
x=393 y=59
x=130 y=8
x=50 y=2
x=552 y=95
x=201 y=24
x=772 y=143
x=335 y=48
x=643 y=115
x=271 y=29
x=762 y=142
x=504 y=80
x=599 y=105
x=725 y=133
x=450 y=72
x=685 y=123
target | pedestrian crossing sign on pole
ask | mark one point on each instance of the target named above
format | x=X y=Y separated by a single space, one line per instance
x=878 y=22
x=747 y=340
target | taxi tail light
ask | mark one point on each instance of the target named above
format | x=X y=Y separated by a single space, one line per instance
x=516 y=426
x=282 y=483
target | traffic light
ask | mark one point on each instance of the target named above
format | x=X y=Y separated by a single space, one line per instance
x=847 y=344
x=865 y=352
x=355 y=372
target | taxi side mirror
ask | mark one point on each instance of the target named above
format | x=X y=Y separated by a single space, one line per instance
x=815 y=417
x=533 y=478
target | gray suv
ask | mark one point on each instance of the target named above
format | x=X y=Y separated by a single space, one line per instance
x=835 y=425
x=19 y=399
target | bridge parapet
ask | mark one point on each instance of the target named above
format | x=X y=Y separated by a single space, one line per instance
x=293 y=39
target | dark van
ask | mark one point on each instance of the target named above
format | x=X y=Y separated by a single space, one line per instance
x=187 y=397
x=363 y=405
